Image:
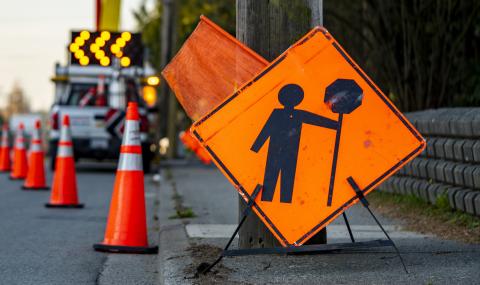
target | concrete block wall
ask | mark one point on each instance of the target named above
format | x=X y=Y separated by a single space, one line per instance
x=449 y=168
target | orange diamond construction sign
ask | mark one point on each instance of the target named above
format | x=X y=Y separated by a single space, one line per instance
x=310 y=120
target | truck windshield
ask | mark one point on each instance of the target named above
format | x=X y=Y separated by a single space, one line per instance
x=90 y=95
x=87 y=94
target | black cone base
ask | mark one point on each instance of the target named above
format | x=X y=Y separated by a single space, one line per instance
x=76 y=206
x=16 y=178
x=35 y=188
x=125 y=249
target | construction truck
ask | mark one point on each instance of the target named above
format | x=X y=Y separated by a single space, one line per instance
x=105 y=71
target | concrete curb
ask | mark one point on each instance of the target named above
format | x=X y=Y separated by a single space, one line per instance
x=173 y=241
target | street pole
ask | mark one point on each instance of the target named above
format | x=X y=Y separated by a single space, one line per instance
x=168 y=106
x=269 y=28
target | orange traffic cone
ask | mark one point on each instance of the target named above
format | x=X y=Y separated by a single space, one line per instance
x=64 y=187
x=126 y=230
x=20 y=167
x=36 y=167
x=5 y=163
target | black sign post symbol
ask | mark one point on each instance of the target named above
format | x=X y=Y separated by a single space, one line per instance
x=284 y=128
x=343 y=96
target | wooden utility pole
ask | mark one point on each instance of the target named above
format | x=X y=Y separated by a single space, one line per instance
x=269 y=27
x=168 y=106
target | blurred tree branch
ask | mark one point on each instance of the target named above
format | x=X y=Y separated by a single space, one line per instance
x=423 y=53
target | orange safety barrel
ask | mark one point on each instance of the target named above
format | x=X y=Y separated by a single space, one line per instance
x=189 y=141
x=192 y=144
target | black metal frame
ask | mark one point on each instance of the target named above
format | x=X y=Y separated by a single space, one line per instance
x=316 y=248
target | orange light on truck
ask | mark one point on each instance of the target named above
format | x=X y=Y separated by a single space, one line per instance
x=150 y=95
x=153 y=80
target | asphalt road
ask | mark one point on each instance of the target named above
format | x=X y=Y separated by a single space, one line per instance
x=54 y=246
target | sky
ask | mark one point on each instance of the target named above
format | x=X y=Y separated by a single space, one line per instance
x=34 y=35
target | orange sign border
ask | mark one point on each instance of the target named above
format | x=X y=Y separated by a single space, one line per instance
x=347 y=204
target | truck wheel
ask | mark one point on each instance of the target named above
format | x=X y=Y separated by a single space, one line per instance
x=52 y=151
x=52 y=164
x=147 y=158
x=147 y=165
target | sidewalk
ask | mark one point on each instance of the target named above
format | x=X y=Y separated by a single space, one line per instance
x=186 y=243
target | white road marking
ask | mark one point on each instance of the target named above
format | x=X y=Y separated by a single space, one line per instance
x=210 y=230
x=360 y=232
x=370 y=232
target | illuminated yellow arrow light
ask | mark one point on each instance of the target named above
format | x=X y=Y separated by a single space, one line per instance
x=100 y=42
x=99 y=54
x=105 y=61
x=94 y=48
x=73 y=47
x=125 y=61
x=85 y=35
x=79 y=41
x=126 y=36
x=121 y=42
x=114 y=48
x=79 y=54
x=84 y=60
x=102 y=45
x=105 y=35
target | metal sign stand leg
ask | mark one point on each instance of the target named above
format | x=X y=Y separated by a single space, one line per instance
x=245 y=214
x=348 y=227
x=365 y=203
x=206 y=267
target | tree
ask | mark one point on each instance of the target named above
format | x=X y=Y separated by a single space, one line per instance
x=187 y=15
x=422 y=53
x=17 y=102
x=189 y=11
